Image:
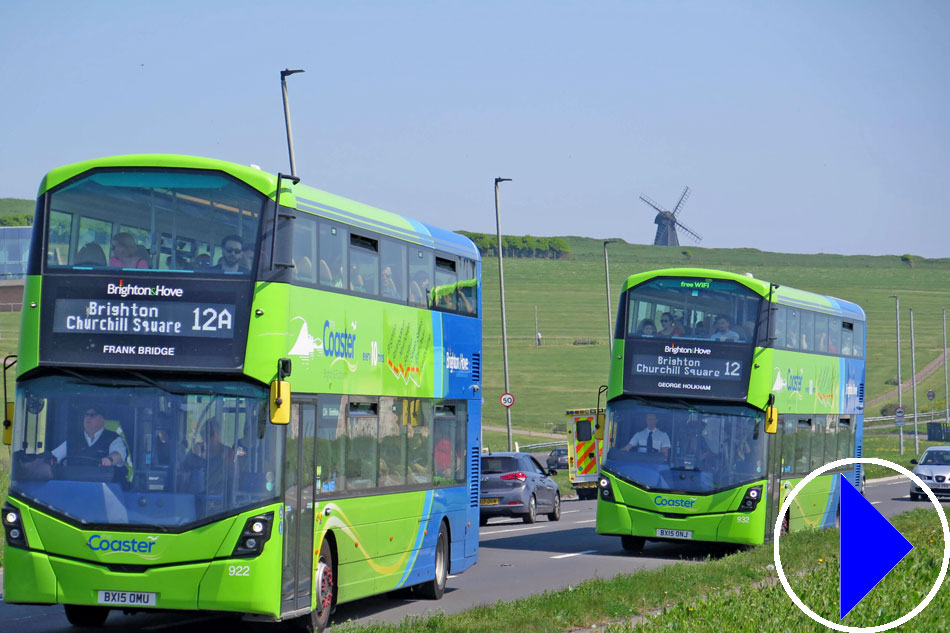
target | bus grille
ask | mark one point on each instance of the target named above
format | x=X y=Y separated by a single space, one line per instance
x=476 y=367
x=476 y=476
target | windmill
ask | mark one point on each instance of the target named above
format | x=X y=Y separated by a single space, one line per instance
x=666 y=222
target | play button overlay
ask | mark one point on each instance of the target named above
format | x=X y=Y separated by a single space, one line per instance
x=865 y=530
x=870 y=547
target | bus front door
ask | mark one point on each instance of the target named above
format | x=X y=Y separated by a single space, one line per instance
x=299 y=478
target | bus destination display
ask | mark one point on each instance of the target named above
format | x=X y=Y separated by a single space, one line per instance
x=683 y=367
x=144 y=323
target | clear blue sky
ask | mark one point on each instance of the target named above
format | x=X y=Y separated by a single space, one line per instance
x=801 y=127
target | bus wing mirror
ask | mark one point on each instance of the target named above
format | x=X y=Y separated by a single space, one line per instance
x=8 y=425
x=599 y=429
x=280 y=402
x=771 y=419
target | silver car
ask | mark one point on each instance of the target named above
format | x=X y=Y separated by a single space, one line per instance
x=515 y=484
x=934 y=469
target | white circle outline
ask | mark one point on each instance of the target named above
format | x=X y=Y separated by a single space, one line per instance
x=861 y=629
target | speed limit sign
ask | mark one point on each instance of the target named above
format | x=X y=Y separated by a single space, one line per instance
x=507 y=399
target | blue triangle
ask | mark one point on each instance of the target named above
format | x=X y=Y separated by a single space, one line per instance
x=870 y=547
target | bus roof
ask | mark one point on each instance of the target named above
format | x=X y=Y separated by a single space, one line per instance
x=300 y=196
x=780 y=294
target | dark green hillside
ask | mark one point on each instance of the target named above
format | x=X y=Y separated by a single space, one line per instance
x=16 y=212
x=570 y=297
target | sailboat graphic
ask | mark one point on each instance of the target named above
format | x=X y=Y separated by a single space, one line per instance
x=306 y=345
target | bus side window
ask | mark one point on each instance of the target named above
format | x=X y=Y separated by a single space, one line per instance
x=331 y=444
x=817 y=443
x=781 y=318
x=417 y=418
x=361 y=443
x=821 y=333
x=808 y=330
x=845 y=447
x=392 y=270
x=858 y=346
x=834 y=335
x=392 y=444
x=803 y=433
x=332 y=249
x=831 y=439
x=847 y=338
x=791 y=339
x=468 y=287
x=420 y=275
x=305 y=248
x=788 y=443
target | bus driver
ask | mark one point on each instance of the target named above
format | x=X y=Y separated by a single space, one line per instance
x=650 y=439
x=102 y=447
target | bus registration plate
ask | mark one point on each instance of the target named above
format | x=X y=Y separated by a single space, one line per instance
x=687 y=534
x=131 y=598
x=489 y=501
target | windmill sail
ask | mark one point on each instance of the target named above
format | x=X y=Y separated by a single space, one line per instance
x=666 y=222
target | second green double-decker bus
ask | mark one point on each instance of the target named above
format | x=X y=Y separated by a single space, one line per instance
x=724 y=392
x=238 y=393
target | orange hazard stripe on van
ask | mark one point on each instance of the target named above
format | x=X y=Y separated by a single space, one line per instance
x=585 y=458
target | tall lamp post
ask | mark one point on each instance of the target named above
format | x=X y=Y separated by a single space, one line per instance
x=610 y=332
x=900 y=405
x=913 y=368
x=290 y=139
x=501 y=286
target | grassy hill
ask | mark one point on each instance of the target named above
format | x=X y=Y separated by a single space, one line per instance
x=571 y=307
x=16 y=206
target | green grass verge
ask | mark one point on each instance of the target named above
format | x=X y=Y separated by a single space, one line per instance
x=739 y=592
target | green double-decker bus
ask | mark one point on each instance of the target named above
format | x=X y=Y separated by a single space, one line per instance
x=724 y=392
x=238 y=393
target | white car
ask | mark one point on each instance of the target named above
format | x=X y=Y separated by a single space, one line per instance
x=934 y=469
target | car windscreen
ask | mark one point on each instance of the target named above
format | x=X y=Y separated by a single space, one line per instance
x=495 y=465
x=936 y=458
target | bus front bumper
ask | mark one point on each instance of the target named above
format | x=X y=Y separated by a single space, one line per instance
x=37 y=578
x=746 y=528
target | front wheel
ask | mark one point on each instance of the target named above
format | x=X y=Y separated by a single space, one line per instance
x=532 y=515
x=434 y=589
x=915 y=497
x=556 y=512
x=318 y=619
x=633 y=543
x=83 y=616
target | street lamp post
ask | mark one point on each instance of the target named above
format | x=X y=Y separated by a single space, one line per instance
x=290 y=139
x=897 y=307
x=610 y=336
x=501 y=286
x=913 y=368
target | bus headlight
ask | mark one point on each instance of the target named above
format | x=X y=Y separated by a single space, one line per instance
x=606 y=489
x=256 y=532
x=751 y=499
x=13 y=527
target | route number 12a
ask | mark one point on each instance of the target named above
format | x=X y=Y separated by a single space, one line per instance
x=211 y=320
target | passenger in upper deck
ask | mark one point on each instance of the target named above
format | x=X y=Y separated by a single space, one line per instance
x=647 y=328
x=668 y=326
x=125 y=252
x=724 y=331
x=231 y=261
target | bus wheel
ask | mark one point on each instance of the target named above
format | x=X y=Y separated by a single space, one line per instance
x=84 y=616
x=532 y=514
x=556 y=512
x=434 y=589
x=320 y=617
x=632 y=543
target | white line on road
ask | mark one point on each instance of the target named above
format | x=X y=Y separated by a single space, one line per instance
x=568 y=511
x=536 y=527
x=874 y=503
x=587 y=521
x=586 y=551
x=452 y=576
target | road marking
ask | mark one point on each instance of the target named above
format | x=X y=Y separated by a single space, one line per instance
x=452 y=576
x=587 y=521
x=874 y=503
x=586 y=551
x=536 y=527
x=568 y=511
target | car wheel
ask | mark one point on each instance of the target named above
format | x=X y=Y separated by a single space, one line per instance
x=532 y=515
x=633 y=543
x=915 y=497
x=556 y=512
x=434 y=589
x=83 y=616
x=483 y=521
